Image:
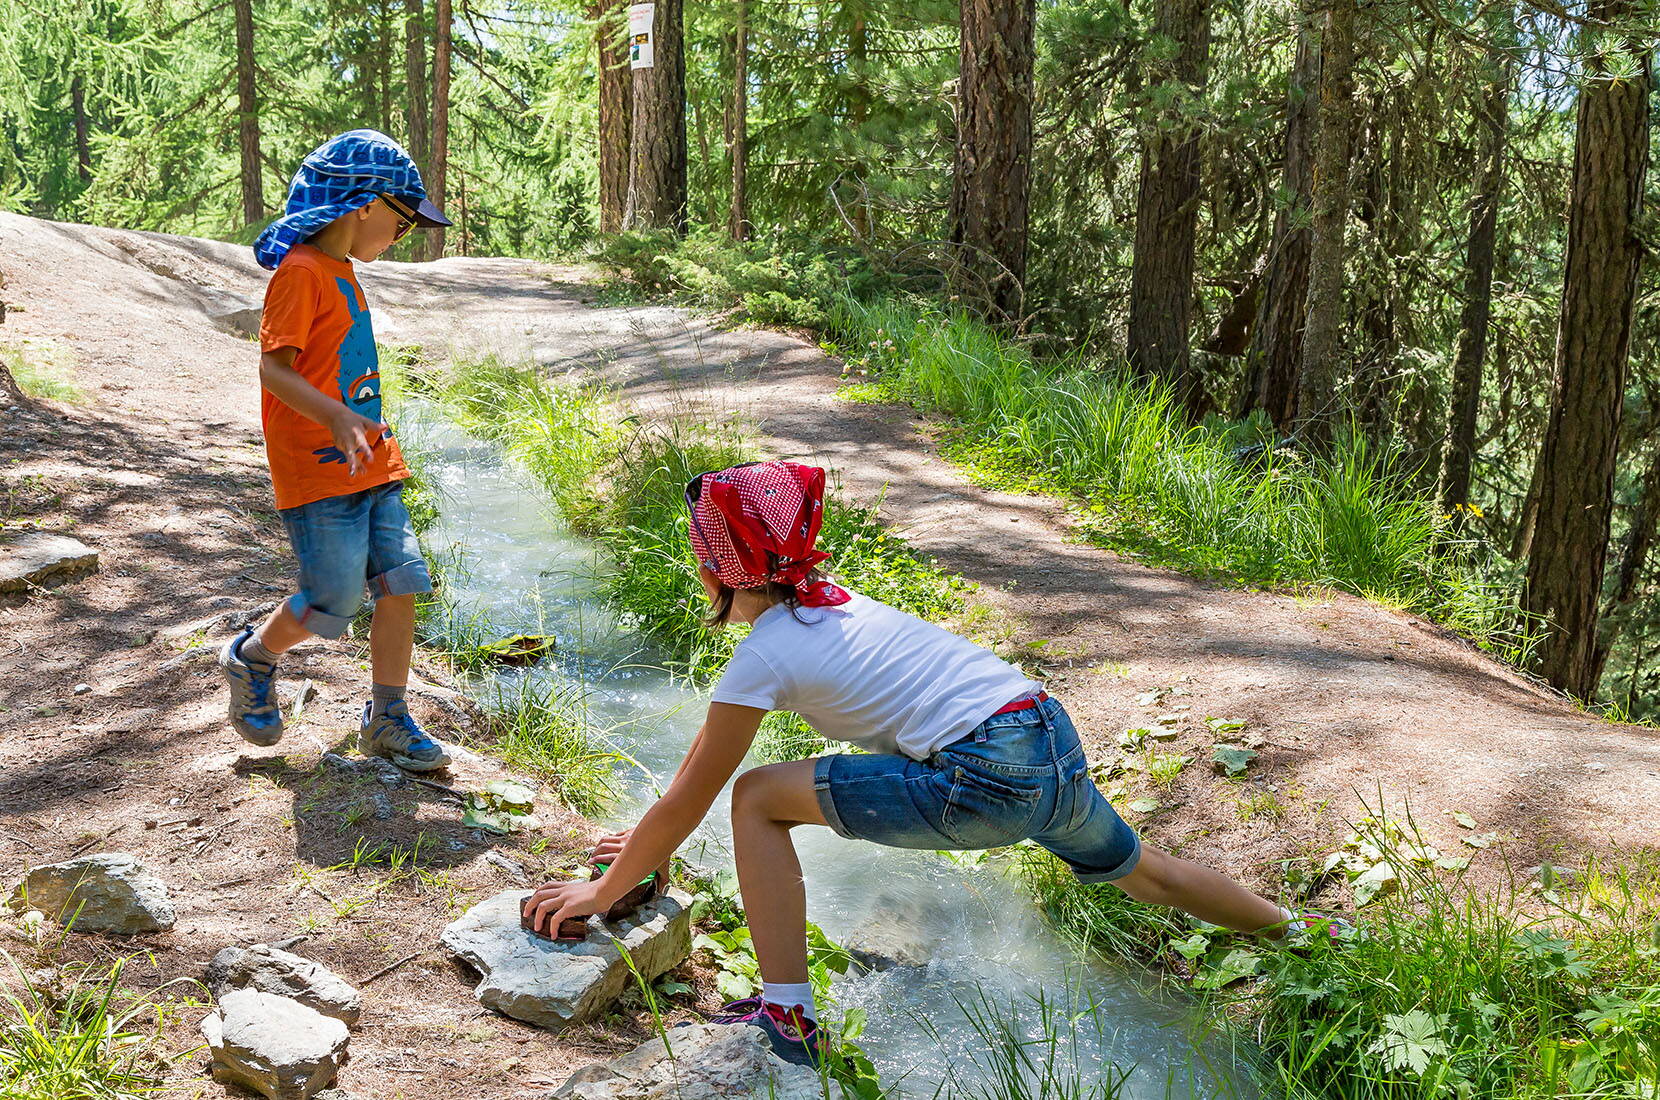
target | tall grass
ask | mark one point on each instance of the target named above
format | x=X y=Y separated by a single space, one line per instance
x=1445 y=993
x=1183 y=495
x=74 y=1036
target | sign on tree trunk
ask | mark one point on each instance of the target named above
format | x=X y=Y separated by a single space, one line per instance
x=640 y=18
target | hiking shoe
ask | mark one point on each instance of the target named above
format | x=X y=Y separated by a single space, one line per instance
x=395 y=736
x=792 y=1036
x=254 y=711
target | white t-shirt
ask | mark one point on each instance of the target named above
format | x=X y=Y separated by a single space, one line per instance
x=866 y=673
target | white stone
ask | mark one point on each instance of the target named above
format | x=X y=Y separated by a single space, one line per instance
x=711 y=1062
x=283 y=974
x=35 y=556
x=273 y=1046
x=554 y=984
x=110 y=892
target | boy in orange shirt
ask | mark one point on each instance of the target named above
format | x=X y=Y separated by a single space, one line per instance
x=335 y=467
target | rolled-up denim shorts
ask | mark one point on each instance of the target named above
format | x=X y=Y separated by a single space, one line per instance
x=346 y=543
x=1016 y=775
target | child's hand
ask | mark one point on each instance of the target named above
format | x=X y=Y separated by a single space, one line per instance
x=557 y=901
x=356 y=437
x=610 y=847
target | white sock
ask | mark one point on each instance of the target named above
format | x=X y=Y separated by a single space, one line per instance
x=790 y=995
x=1293 y=923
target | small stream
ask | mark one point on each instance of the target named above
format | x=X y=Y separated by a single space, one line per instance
x=524 y=571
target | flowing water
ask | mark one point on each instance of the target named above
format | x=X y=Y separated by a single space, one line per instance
x=521 y=570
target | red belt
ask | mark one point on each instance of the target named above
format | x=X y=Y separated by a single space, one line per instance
x=1022 y=704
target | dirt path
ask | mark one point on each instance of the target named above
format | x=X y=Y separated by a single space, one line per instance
x=162 y=471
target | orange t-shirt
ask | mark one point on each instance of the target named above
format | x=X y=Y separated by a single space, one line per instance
x=314 y=303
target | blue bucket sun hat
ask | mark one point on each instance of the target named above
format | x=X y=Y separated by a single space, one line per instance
x=343 y=174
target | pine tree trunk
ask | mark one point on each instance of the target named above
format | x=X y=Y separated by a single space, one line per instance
x=991 y=181
x=1639 y=540
x=738 y=223
x=657 y=160
x=83 y=143
x=415 y=79
x=1322 y=323
x=1570 y=544
x=615 y=92
x=1275 y=354
x=437 y=179
x=247 y=107
x=1464 y=399
x=1167 y=212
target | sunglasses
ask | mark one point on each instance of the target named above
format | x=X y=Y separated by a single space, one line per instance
x=406 y=219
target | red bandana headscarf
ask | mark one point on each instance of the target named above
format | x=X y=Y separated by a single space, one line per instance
x=757 y=522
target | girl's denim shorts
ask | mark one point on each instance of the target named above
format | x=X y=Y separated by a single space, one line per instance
x=1016 y=776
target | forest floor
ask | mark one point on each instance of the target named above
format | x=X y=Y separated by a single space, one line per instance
x=161 y=469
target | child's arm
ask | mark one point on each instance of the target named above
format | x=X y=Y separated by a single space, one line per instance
x=719 y=748
x=354 y=435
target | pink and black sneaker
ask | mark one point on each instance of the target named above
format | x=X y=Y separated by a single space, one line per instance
x=794 y=1038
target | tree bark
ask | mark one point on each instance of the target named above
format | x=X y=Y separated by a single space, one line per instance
x=738 y=222
x=247 y=108
x=1275 y=355
x=83 y=143
x=991 y=182
x=1570 y=544
x=1639 y=540
x=438 y=178
x=657 y=147
x=1167 y=211
x=415 y=79
x=615 y=92
x=1317 y=386
x=1458 y=457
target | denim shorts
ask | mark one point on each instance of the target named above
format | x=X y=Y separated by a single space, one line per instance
x=349 y=542
x=1016 y=776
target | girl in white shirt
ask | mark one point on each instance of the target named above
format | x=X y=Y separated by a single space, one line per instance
x=962 y=751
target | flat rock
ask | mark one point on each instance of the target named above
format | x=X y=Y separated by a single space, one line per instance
x=899 y=932
x=273 y=1046
x=553 y=984
x=271 y=970
x=108 y=892
x=36 y=556
x=711 y=1062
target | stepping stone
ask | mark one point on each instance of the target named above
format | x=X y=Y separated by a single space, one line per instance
x=711 y=1062
x=111 y=892
x=271 y=970
x=273 y=1046
x=553 y=984
x=36 y=556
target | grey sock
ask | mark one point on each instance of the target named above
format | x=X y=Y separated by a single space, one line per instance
x=255 y=654
x=384 y=695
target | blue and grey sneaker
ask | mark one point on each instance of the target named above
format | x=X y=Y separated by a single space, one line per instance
x=254 y=711
x=395 y=736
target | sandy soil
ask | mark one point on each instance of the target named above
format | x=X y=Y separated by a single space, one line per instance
x=161 y=469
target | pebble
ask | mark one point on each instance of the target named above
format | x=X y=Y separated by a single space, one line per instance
x=82 y=689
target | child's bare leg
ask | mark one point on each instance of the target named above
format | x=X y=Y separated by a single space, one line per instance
x=391 y=640
x=1160 y=878
x=281 y=631
x=766 y=804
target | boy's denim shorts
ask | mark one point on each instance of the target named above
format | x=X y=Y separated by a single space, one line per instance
x=344 y=543
x=1016 y=775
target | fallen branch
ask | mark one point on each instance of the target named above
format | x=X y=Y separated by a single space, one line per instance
x=385 y=970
